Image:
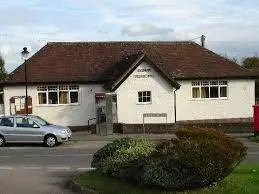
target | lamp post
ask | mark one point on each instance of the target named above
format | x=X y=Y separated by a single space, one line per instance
x=25 y=54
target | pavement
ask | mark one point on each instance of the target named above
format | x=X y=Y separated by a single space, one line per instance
x=38 y=169
x=86 y=136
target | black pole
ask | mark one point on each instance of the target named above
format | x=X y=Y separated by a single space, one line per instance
x=26 y=89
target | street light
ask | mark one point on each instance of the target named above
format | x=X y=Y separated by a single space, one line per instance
x=25 y=54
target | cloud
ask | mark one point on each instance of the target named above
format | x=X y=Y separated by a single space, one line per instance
x=145 y=29
x=230 y=26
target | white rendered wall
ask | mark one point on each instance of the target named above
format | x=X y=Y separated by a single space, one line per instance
x=241 y=98
x=130 y=111
x=67 y=115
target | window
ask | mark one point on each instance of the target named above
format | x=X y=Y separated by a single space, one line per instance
x=7 y=122
x=73 y=94
x=73 y=97
x=209 y=89
x=24 y=122
x=144 y=97
x=62 y=94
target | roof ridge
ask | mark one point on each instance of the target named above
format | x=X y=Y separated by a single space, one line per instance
x=134 y=41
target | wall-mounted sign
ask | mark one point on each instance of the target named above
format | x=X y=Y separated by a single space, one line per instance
x=142 y=76
x=144 y=71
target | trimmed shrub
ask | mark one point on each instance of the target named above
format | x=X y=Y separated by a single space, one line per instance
x=197 y=158
x=114 y=157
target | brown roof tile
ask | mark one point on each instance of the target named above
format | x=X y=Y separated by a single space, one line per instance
x=90 y=61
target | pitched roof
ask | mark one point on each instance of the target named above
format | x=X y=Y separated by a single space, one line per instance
x=90 y=61
x=125 y=67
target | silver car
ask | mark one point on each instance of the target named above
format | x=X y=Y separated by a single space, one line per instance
x=31 y=129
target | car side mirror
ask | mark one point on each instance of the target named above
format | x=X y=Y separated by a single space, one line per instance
x=35 y=126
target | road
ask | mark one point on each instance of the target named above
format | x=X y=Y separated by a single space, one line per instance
x=73 y=156
x=37 y=169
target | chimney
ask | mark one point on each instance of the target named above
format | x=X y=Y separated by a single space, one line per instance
x=203 y=40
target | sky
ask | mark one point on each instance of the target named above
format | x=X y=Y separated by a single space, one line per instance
x=231 y=27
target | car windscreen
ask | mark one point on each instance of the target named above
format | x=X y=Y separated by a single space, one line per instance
x=40 y=121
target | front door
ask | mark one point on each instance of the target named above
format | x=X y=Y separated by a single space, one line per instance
x=27 y=131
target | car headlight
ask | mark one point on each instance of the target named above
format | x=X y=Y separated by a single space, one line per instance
x=64 y=131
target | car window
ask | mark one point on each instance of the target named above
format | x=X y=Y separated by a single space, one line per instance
x=40 y=120
x=24 y=122
x=7 y=121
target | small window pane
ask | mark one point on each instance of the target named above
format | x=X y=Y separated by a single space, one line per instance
x=139 y=94
x=74 y=87
x=223 y=91
x=7 y=122
x=63 y=87
x=148 y=99
x=196 y=83
x=52 y=88
x=74 y=97
x=140 y=99
x=144 y=99
x=63 y=97
x=196 y=92
x=148 y=93
x=223 y=83
x=205 y=83
x=53 y=98
x=214 y=83
x=214 y=92
x=42 y=98
x=204 y=92
x=42 y=88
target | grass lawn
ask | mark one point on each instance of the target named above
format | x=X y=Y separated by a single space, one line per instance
x=245 y=179
x=254 y=138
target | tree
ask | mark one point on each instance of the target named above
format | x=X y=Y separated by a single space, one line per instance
x=251 y=63
x=3 y=72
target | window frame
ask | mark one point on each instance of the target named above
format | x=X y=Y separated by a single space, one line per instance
x=142 y=92
x=210 y=84
x=60 y=88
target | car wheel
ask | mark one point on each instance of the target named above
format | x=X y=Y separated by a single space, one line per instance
x=2 y=141
x=50 y=141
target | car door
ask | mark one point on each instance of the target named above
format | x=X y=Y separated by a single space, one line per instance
x=7 y=129
x=28 y=130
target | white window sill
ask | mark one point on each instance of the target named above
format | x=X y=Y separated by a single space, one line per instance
x=143 y=103
x=55 y=105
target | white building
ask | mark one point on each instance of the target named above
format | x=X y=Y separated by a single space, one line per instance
x=179 y=81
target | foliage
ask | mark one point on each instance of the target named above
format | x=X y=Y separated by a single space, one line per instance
x=244 y=179
x=3 y=72
x=251 y=62
x=197 y=158
x=113 y=157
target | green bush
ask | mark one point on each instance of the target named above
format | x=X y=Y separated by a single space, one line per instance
x=114 y=157
x=197 y=158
